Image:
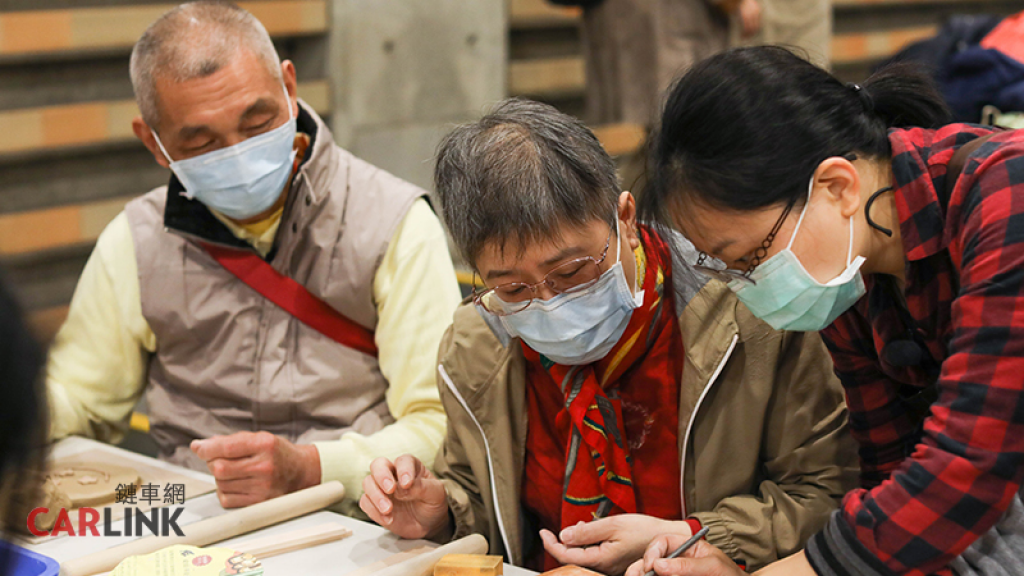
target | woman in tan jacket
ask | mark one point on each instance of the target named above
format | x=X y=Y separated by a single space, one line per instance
x=600 y=392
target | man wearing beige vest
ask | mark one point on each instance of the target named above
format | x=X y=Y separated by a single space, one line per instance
x=234 y=382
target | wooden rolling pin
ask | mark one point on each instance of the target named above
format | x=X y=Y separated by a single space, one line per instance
x=423 y=565
x=269 y=546
x=371 y=569
x=216 y=529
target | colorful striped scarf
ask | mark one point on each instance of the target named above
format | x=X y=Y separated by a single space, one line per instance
x=643 y=371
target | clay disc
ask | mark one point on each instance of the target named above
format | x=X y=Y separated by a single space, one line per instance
x=53 y=499
x=93 y=484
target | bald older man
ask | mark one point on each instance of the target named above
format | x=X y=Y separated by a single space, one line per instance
x=199 y=293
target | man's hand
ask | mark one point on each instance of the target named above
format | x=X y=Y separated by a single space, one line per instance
x=747 y=12
x=609 y=545
x=702 y=559
x=404 y=497
x=251 y=467
x=750 y=17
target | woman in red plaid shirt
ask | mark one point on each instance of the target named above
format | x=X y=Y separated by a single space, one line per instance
x=839 y=208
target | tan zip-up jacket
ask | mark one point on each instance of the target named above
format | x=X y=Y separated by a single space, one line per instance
x=763 y=441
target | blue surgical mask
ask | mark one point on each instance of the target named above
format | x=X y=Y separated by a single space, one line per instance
x=579 y=327
x=788 y=298
x=243 y=180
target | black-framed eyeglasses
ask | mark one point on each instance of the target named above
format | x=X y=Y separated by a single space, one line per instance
x=572 y=276
x=727 y=275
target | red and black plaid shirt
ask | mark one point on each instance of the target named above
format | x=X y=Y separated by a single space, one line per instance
x=930 y=491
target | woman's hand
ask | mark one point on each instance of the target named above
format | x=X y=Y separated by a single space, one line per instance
x=609 y=545
x=404 y=497
x=702 y=559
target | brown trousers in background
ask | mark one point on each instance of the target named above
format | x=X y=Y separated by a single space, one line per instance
x=802 y=24
x=635 y=49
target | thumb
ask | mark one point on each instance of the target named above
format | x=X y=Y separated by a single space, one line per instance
x=675 y=567
x=709 y=566
x=208 y=448
x=584 y=534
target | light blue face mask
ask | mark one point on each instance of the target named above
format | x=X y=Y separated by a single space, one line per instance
x=243 y=180
x=579 y=327
x=788 y=298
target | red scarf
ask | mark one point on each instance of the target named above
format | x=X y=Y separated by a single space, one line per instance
x=608 y=443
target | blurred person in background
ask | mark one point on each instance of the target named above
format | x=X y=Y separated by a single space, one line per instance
x=635 y=49
x=803 y=25
x=22 y=424
x=185 y=295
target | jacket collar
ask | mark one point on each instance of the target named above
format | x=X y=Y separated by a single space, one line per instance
x=919 y=161
x=708 y=324
x=192 y=217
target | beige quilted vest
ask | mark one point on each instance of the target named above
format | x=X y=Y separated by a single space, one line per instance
x=229 y=360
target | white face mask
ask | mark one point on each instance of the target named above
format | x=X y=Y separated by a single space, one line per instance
x=243 y=180
x=579 y=327
x=787 y=297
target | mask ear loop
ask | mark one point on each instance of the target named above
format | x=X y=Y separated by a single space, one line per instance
x=849 y=251
x=618 y=253
x=618 y=240
x=186 y=193
x=810 y=188
x=618 y=256
x=161 y=145
x=287 y=99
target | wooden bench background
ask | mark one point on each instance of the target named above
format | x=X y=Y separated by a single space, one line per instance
x=68 y=158
x=69 y=162
x=546 y=61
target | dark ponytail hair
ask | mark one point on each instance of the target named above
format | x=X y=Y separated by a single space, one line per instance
x=745 y=129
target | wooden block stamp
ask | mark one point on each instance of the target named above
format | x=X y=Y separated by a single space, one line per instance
x=469 y=565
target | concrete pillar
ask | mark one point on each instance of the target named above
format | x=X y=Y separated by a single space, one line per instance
x=403 y=71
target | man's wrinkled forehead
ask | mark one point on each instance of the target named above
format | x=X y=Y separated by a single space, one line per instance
x=237 y=90
x=261 y=107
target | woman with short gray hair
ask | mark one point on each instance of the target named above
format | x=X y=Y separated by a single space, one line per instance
x=600 y=392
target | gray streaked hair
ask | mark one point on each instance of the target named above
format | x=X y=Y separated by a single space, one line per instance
x=195 y=40
x=519 y=175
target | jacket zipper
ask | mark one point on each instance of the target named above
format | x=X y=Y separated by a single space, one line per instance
x=693 y=418
x=490 y=464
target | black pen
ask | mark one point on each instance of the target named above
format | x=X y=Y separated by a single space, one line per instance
x=686 y=546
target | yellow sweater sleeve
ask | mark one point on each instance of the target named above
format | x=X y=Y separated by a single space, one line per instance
x=416 y=295
x=97 y=363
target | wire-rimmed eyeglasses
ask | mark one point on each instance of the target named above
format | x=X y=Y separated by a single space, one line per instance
x=572 y=276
